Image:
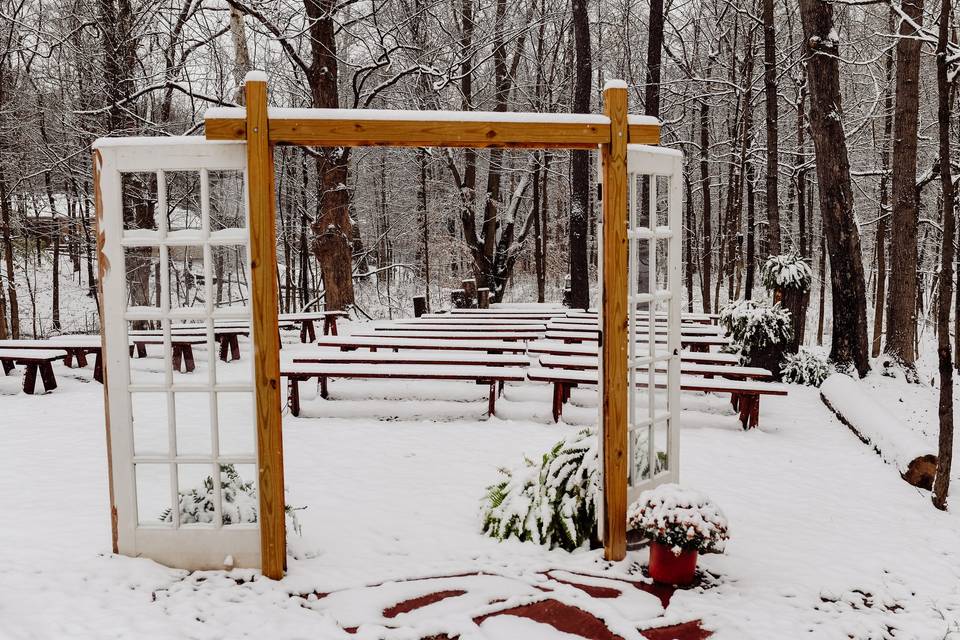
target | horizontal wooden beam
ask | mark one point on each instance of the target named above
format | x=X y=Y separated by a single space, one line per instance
x=523 y=132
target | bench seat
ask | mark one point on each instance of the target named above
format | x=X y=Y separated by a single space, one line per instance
x=295 y=372
x=469 y=327
x=36 y=361
x=686 y=367
x=593 y=335
x=642 y=327
x=390 y=341
x=511 y=336
x=556 y=347
x=744 y=394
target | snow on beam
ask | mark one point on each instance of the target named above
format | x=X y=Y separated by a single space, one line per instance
x=405 y=128
x=895 y=442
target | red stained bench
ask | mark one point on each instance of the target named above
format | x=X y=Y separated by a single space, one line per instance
x=494 y=376
x=555 y=347
x=181 y=348
x=76 y=348
x=420 y=342
x=306 y=320
x=35 y=360
x=744 y=394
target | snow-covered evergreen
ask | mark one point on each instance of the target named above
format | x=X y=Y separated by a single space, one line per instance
x=787 y=271
x=805 y=367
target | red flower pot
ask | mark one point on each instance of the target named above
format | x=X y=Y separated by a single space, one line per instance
x=668 y=568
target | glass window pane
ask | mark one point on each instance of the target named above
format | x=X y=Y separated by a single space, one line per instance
x=153 y=493
x=236 y=423
x=183 y=202
x=231 y=287
x=139 y=198
x=151 y=434
x=187 y=280
x=197 y=494
x=239 y=485
x=143 y=276
x=227 y=208
x=193 y=423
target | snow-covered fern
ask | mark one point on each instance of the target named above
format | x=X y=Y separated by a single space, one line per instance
x=805 y=367
x=787 y=271
x=552 y=503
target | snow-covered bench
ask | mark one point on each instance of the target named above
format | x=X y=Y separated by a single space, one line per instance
x=694 y=343
x=510 y=336
x=465 y=327
x=306 y=319
x=555 y=347
x=420 y=342
x=494 y=376
x=76 y=348
x=744 y=394
x=181 y=347
x=733 y=372
x=35 y=360
x=586 y=324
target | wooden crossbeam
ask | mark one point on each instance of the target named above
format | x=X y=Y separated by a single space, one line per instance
x=365 y=128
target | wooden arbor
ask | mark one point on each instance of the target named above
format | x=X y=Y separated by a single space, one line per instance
x=263 y=128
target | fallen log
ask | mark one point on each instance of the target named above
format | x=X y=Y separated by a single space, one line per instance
x=892 y=440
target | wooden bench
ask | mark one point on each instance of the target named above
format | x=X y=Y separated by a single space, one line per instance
x=468 y=327
x=393 y=343
x=35 y=360
x=181 y=348
x=694 y=343
x=687 y=367
x=699 y=318
x=744 y=394
x=76 y=348
x=306 y=320
x=447 y=319
x=511 y=336
x=295 y=372
x=575 y=324
x=555 y=347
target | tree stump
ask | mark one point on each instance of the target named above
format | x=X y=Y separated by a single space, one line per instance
x=470 y=292
x=483 y=298
x=458 y=298
x=419 y=306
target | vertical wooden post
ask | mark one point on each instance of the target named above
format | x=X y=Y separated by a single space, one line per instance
x=266 y=339
x=419 y=306
x=614 y=350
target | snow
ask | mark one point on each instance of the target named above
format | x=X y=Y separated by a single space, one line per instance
x=413 y=115
x=255 y=75
x=826 y=542
x=615 y=84
x=895 y=443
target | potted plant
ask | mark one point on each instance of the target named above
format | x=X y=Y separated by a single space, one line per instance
x=680 y=524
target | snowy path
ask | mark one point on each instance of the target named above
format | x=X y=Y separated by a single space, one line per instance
x=827 y=541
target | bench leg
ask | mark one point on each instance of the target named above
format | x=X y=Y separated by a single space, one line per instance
x=46 y=374
x=558 y=392
x=234 y=347
x=8 y=366
x=68 y=360
x=323 y=387
x=188 y=357
x=311 y=332
x=492 y=401
x=30 y=378
x=176 y=357
x=748 y=407
x=98 y=368
x=224 y=344
x=294 y=395
x=141 y=350
x=755 y=413
x=303 y=331
x=81 y=358
x=333 y=325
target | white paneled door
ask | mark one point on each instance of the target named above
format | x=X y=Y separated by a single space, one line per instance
x=173 y=238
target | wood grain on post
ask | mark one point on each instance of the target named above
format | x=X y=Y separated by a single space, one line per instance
x=266 y=340
x=613 y=156
x=520 y=133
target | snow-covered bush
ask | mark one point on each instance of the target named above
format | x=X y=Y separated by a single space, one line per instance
x=239 y=505
x=754 y=325
x=552 y=503
x=787 y=272
x=805 y=367
x=681 y=519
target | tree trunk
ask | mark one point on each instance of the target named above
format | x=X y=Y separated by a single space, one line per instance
x=770 y=96
x=5 y=218
x=849 y=340
x=580 y=164
x=941 y=483
x=901 y=314
x=706 y=269
x=332 y=229
x=751 y=222
x=538 y=263
x=881 y=240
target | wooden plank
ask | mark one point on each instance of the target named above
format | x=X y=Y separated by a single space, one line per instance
x=614 y=317
x=103 y=265
x=404 y=132
x=266 y=349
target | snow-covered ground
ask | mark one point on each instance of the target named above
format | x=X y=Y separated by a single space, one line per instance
x=827 y=540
